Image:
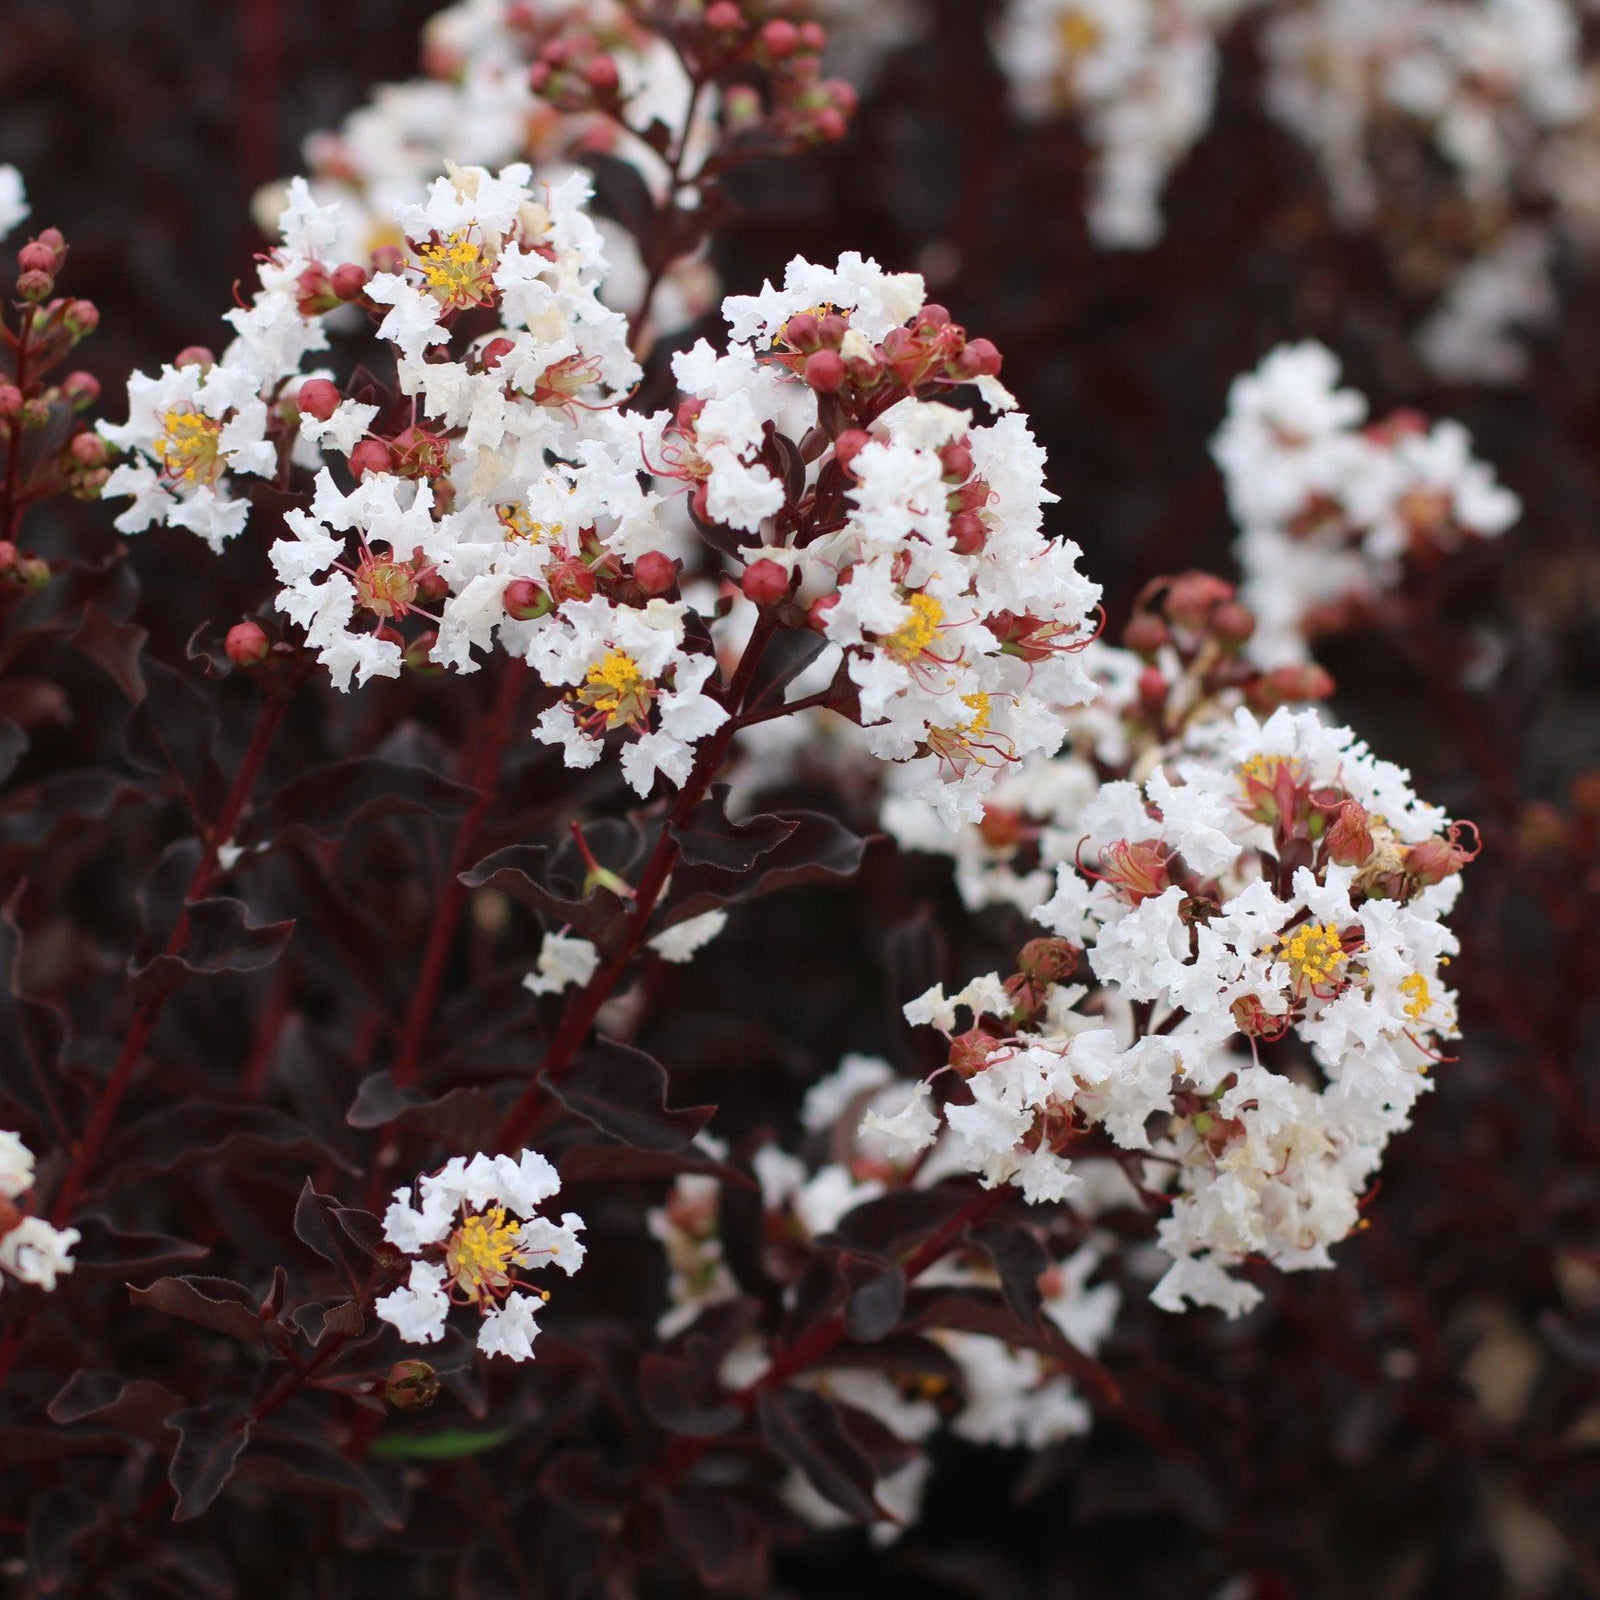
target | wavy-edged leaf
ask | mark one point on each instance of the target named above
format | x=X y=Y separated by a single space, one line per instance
x=215 y=1303
x=623 y=1092
x=326 y=801
x=193 y=1131
x=210 y=1440
x=805 y=1429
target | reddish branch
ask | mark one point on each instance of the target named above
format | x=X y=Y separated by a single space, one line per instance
x=582 y=1009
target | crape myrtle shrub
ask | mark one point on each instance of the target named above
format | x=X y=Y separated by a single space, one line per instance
x=769 y=1335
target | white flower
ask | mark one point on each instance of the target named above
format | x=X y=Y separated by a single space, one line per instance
x=680 y=942
x=563 y=962
x=13 y=202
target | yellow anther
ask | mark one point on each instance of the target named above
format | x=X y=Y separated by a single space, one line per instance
x=483 y=1251
x=918 y=631
x=519 y=525
x=1077 y=33
x=617 y=689
x=1313 y=952
x=189 y=447
x=456 y=269
x=1420 y=1003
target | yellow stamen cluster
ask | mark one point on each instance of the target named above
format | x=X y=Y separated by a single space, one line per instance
x=918 y=631
x=456 y=270
x=617 y=688
x=519 y=525
x=1261 y=771
x=1420 y=1001
x=1077 y=33
x=189 y=447
x=483 y=1252
x=1314 y=953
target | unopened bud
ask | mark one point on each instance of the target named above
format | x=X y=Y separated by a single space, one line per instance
x=601 y=75
x=765 y=582
x=418 y=655
x=194 y=355
x=817 y=612
x=780 y=38
x=34 y=286
x=8 y=556
x=849 y=445
x=968 y=532
x=10 y=402
x=370 y=455
x=80 y=318
x=247 y=644
x=825 y=371
x=318 y=398
x=1152 y=689
x=655 y=573
x=81 y=389
x=349 y=280
x=1145 y=634
x=525 y=600
x=1193 y=596
x=813 y=37
x=1001 y=828
x=1233 y=622
x=36 y=257
x=956 y=459
x=495 y=352
x=980 y=359
x=1288 y=685
x=88 y=450
x=724 y=17
x=1048 y=960
x=411 y=1386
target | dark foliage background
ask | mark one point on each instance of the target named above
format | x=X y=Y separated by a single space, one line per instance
x=1423 y=1422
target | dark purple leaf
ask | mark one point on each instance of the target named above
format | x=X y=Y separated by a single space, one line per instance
x=137 y=1406
x=13 y=744
x=114 y=647
x=621 y=193
x=193 y=1131
x=287 y=1461
x=215 y=1303
x=220 y=939
x=173 y=731
x=521 y=872
x=326 y=801
x=708 y=838
x=623 y=1092
x=59 y=1520
x=1020 y=1258
x=210 y=1439
x=317 y=1226
x=805 y=1429
x=462 y=1119
x=717 y=1533
x=787 y=655
x=875 y=1295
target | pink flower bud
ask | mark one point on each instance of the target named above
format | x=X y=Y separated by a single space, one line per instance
x=194 y=355
x=1193 y=596
x=8 y=555
x=968 y=532
x=525 y=600
x=956 y=459
x=824 y=371
x=349 y=280
x=601 y=75
x=318 y=398
x=80 y=318
x=81 y=388
x=1350 y=839
x=765 y=582
x=849 y=445
x=655 y=573
x=1145 y=634
x=1152 y=689
x=817 y=612
x=1233 y=622
x=978 y=359
x=388 y=258
x=88 y=449
x=52 y=239
x=802 y=332
x=36 y=257
x=370 y=455
x=1287 y=685
x=813 y=37
x=780 y=38
x=10 y=402
x=418 y=655
x=247 y=644
x=724 y=17
x=34 y=286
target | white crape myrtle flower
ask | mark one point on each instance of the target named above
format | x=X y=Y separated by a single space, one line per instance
x=13 y=199
x=564 y=962
x=1329 y=507
x=1142 y=76
x=1267 y=887
x=682 y=941
x=473 y=1231
x=30 y=1249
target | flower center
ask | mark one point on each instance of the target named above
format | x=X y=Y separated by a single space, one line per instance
x=617 y=689
x=1077 y=33
x=189 y=447
x=519 y=525
x=385 y=588
x=1313 y=952
x=1420 y=996
x=482 y=1253
x=912 y=638
x=456 y=270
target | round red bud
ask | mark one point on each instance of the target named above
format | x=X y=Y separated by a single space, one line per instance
x=765 y=582
x=801 y=332
x=968 y=532
x=539 y=76
x=370 y=455
x=388 y=258
x=31 y=572
x=724 y=17
x=655 y=573
x=247 y=644
x=349 y=280
x=34 y=286
x=81 y=318
x=832 y=328
x=525 y=600
x=780 y=38
x=52 y=239
x=81 y=388
x=601 y=75
x=1145 y=634
x=933 y=316
x=1152 y=689
x=8 y=555
x=1233 y=622
x=979 y=359
x=495 y=352
x=1193 y=596
x=10 y=402
x=36 y=257
x=849 y=445
x=956 y=459
x=318 y=398
x=419 y=654
x=825 y=371
x=194 y=355
x=813 y=37
x=88 y=449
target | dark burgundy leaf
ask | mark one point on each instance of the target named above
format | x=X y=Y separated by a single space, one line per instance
x=326 y=801
x=32 y=1034
x=787 y=655
x=620 y=192
x=586 y=1486
x=210 y=1439
x=1020 y=1258
x=709 y=838
x=682 y=1390
x=204 y=1130
x=893 y=1222
x=214 y=1303
x=623 y=1092
x=294 y=1461
x=805 y=1429
x=173 y=730
x=337 y=940
x=13 y=744
x=716 y=1532
x=114 y=647
x=521 y=872
x=220 y=939
x=35 y=817
x=59 y=1520
x=106 y=1251
x=316 y=1225
x=875 y=1295
x=132 y=1405
x=816 y=850
x=462 y=1119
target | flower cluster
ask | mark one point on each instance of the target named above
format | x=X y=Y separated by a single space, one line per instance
x=31 y=1250
x=1271 y=893
x=472 y=1235
x=1333 y=508
x=1142 y=76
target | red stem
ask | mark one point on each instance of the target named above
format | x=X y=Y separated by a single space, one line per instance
x=11 y=503
x=481 y=771
x=582 y=1009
